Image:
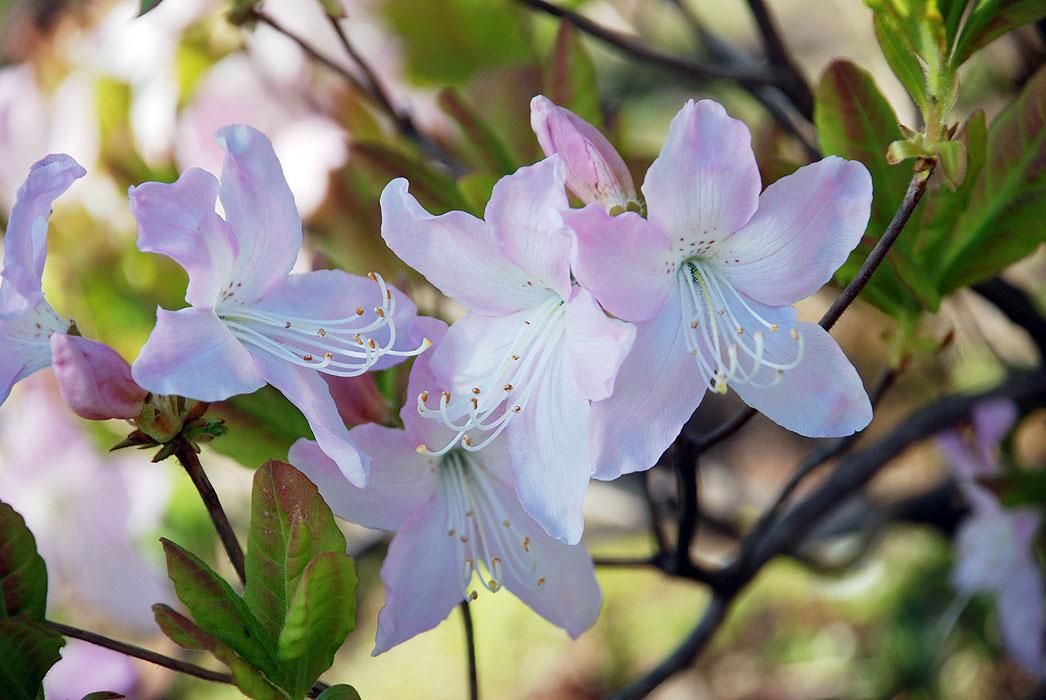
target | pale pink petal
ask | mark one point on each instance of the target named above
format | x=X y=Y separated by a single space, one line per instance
x=95 y=381
x=19 y=360
x=822 y=396
x=306 y=389
x=178 y=220
x=568 y=595
x=473 y=349
x=624 y=260
x=548 y=442
x=260 y=210
x=400 y=479
x=992 y=421
x=595 y=171
x=457 y=253
x=705 y=184
x=806 y=225
x=421 y=430
x=659 y=381
x=191 y=353
x=526 y=212
x=87 y=668
x=25 y=243
x=966 y=465
x=422 y=574
x=1022 y=618
x=596 y=345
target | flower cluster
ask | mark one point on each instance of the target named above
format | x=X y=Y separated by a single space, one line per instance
x=590 y=337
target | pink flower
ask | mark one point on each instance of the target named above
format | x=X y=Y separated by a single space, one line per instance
x=456 y=516
x=251 y=321
x=596 y=172
x=709 y=279
x=535 y=349
x=995 y=547
x=95 y=381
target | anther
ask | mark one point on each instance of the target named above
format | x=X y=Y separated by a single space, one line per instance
x=425 y=395
x=359 y=310
x=505 y=523
x=541 y=581
x=473 y=595
x=464 y=538
x=451 y=532
x=694 y=324
x=445 y=395
x=328 y=356
x=466 y=441
x=373 y=277
x=475 y=403
x=322 y=333
x=379 y=312
x=508 y=387
x=475 y=390
x=515 y=357
x=740 y=330
x=773 y=327
x=795 y=334
x=287 y=325
x=372 y=344
x=307 y=358
x=526 y=544
x=517 y=409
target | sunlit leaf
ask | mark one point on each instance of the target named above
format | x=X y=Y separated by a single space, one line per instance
x=339 y=692
x=23 y=574
x=28 y=650
x=990 y=19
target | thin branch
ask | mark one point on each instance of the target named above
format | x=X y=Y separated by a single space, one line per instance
x=140 y=653
x=470 y=644
x=755 y=75
x=191 y=463
x=796 y=86
x=1017 y=306
x=654 y=513
x=374 y=88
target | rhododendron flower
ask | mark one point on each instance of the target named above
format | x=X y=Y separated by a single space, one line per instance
x=456 y=517
x=535 y=349
x=95 y=381
x=709 y=279
x=251 y=321
x=995 y=547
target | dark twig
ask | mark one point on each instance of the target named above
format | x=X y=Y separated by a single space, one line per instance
x=140 y=653
x=755 y=75
x=654 y=513
x=374 y=87
x=191 y=463
x=795 y=86
x=1015 y=304
x=470 y=643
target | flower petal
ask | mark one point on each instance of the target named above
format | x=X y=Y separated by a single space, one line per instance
x=595 y=171
x=548 y=442
x=306 y=389
x=422 y=576
x=525 y=211
x=260 y=210
x=191 y=353
x=992 y=421
x=822 y=396
x=596 y=345
x=25 y=243
x=178 y=220
x=1022 y=617
x=472 y=350
x=95 y=381
x=624 y=260
x=400 y=479
x=806 y=225
x=705 y=184
x=660 y=381
x=569 y=595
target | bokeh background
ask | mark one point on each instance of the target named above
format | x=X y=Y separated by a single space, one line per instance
x=870 y=614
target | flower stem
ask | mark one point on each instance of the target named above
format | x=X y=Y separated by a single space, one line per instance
x=470 y=643
x=187 y=457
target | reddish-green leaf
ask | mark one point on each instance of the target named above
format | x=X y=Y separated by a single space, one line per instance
x=321 y=614
x=188 y=635
x=476 y=131
x=990 y=19
x=218 y=609
x=290 y=525
x=23 y=574
x=28 y=650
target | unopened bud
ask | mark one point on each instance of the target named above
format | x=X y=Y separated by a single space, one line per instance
x=358 y=399
x=95 y=381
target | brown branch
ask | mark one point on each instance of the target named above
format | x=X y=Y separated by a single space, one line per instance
x=795 y=86
x=191 y=463
x=755 y=75
x=140 y=653
x=470 y=645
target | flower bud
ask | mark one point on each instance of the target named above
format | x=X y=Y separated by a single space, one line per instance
x=358 y=399
x=595 y=170
x=95 y=381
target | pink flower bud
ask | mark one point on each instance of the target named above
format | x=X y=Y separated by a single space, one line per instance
x=358 y=399
x=595 y=170
x=95 y=381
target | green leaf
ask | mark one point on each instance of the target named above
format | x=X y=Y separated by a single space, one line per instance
x=1003 y=220
x=482 y=34
x=218 y=610
x=570 y=76
x=476 y=188
x=321 y=615
x=989 y=20
x=290 y=525
x=23 y=574
x=481 y=136
x=146 y=6
x=855 y=121
x=951 y=159
x=339 y=692
x=436 y=191
x=913 y=37
x=188 y=635
x=261 y=425
x=902 y=59
x=28 y=650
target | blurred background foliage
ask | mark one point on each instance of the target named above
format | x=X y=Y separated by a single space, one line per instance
x=134 y=99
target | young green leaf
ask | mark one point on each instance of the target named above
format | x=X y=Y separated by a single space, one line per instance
x=28 y=650
x=570 y=76
x=989 y=20
x=481 y=136
x=23 y=574
x=188 y=635
x=339 y=692
x=1003 y=219
x=147 y=6
x=218 y=610
x=321 y=615
x=290 y=525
